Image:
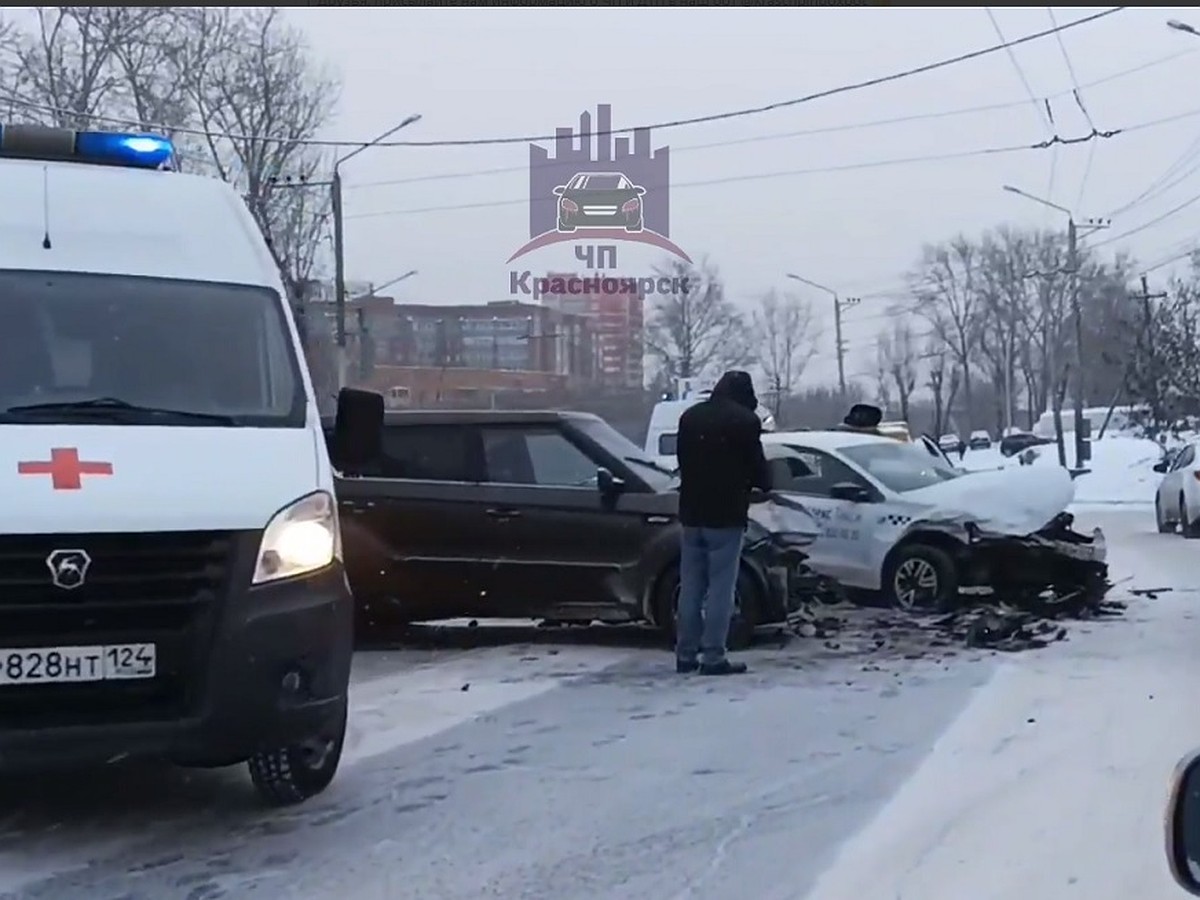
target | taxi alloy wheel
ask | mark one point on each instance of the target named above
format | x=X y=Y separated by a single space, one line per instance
x=922 y=577
x=915 y=583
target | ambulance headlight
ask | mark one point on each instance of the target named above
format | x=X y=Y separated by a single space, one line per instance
x=300 y=538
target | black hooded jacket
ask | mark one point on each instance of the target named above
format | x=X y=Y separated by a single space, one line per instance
x=720 y=455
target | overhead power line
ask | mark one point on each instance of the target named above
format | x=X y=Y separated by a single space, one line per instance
x=804 y=132
x=822 y=170
x=673 y=123
x=1078 y=96
x=1155 y=221
x=1041 y=107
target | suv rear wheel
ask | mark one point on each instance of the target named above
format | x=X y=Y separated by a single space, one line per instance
x=747 y=606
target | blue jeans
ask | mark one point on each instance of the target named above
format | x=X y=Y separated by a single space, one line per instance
x=708 y=571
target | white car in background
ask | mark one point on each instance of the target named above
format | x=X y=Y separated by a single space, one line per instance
x=899 y=520
x=1177 y=500
x=979 y=440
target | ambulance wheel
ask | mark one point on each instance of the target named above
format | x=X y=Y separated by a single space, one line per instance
x=921 y=576
x=300 y=771
x=747 y=601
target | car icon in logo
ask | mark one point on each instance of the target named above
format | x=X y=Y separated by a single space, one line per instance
x=68 y=568
x=599 y=200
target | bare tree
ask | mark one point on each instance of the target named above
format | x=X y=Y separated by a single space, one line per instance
x=947 y=295
x=259 y=99
x=243 y=78
x=786 y=334
x=898 y=363
x=942 y=381
x=1165 y=372
x=1006 y=261
x=65 y=69
x=697 y=330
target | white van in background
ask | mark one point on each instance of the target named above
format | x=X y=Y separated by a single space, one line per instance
x=171 y=579
x=1124 y=419
x=663 y=430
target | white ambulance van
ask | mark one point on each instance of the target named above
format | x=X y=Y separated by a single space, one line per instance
x=663 y=431
x=171 y=582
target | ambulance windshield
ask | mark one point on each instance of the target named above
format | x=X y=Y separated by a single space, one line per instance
x=220 y=352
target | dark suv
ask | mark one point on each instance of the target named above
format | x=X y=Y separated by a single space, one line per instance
x=550 y=515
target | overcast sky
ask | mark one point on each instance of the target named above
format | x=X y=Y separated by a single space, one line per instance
x=478 y=73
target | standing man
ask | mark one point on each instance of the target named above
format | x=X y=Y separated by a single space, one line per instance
x=721 y=460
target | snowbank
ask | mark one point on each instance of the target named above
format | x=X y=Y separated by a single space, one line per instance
x=1122 y=468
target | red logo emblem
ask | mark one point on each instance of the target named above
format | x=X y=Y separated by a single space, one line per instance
x=65 y=468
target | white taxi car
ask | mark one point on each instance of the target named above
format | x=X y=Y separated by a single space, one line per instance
x=897 y=519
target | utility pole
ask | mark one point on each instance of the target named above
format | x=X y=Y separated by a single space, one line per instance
x=339 y=248
x=838 y=305
x=1072 y=272
x=1151 y=348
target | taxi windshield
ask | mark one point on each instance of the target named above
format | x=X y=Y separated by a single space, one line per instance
x=900 y=467
x=114 y=349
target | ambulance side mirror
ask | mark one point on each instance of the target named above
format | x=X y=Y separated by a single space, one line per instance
x=357 y=430
x=1183 y=825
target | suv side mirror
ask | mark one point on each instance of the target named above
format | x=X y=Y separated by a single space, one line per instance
x=357 y=430
x=1162 y=465
x=1183 y=825
x=848 y=490
x=608 y=484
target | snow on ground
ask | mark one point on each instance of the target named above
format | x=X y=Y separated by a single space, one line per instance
x=1122 y=469
x=397 y=697
x=1052 y=783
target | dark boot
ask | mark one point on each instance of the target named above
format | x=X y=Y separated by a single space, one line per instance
x=724 y=667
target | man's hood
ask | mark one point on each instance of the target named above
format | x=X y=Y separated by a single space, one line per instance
x=738 y=387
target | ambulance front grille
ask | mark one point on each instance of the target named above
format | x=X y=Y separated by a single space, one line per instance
x=117 y=570
x=163 y=588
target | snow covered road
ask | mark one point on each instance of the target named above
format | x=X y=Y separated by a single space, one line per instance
x=1052 y=783
x=576 y=771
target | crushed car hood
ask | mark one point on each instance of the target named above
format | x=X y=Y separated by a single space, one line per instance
x=1016 y=500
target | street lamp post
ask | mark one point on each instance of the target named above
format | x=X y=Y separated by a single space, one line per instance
x=838 y=305
x=339 y=258
x=1076 y=314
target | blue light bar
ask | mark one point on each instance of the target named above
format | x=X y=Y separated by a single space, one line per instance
x=107 y=148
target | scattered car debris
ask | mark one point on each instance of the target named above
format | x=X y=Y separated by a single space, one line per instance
x=856 y=629
x=1150 y=593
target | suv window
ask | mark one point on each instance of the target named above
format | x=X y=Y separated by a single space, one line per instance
x=668 y=444
x=426 y=453
x=541 y=456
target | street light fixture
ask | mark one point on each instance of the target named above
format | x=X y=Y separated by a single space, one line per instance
x=339 y=256
x=375 y=289
x=838 y=305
